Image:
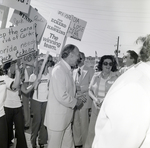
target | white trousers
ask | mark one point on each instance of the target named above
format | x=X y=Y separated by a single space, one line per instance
x=60 y=139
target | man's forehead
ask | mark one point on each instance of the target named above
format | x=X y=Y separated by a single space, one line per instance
x=128 y=54
x=76 y=51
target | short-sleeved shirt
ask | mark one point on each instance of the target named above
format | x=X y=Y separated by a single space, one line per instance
x=5 y=82
x=42 y=91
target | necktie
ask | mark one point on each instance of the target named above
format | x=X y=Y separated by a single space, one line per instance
x=79 y=72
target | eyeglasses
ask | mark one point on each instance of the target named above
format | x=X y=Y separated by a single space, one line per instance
x=124 y=57
x=106 y=63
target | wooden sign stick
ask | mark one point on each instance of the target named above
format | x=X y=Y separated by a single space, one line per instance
x=42 y=68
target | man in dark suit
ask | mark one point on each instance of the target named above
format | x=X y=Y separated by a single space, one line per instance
x=82 y=77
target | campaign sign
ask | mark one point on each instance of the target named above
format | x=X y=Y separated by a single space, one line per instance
x=19 y=17
x=21 y=5
x=29 y=58
x=55 y=32
x=76 y=28
x=16 y=42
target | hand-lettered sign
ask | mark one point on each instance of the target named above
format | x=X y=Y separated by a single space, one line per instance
x=29 y=59
x=55 y=32
x=19 y=17
x=76 y=28
x=16 y=42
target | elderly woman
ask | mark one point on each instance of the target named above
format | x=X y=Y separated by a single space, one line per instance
x=99 y=86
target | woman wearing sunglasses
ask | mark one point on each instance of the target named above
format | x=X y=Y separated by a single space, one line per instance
x=98 y=88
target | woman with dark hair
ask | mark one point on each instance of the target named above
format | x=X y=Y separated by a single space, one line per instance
x=6 y=83
x=13 y=110
x=98 y=88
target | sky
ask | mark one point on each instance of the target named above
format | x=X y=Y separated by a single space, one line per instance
x=106 y=21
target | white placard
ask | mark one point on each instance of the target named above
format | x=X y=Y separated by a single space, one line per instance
x=76 y=28
x=21 y=5
x=29 y=58
x=55 y=33
x=16 y=42
x=19 y=17
x=40 y=22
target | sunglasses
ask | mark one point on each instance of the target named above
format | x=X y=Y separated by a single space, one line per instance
x=106 y=63
x=124 y=57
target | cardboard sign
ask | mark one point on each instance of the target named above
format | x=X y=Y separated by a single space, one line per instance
x=55 y=33
x=16 y=42
x=29 y=58
x=76 y=28
x=19 y=17
x=21 y=5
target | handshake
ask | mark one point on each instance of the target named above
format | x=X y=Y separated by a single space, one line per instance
x=81 y=99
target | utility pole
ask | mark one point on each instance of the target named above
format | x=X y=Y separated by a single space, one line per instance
x=117 y=51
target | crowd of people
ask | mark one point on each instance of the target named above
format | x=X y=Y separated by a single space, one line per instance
x=76 y=106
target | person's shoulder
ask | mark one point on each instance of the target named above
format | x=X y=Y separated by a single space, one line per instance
x=115 y=74
x=97 y=74
x=58 y=69
x=57 y=66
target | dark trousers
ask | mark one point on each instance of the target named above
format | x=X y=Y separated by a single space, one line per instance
x=26 y=109
x=15 y=115
x=38 y=129
x=3 y=133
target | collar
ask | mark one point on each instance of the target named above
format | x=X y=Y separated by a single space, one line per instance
x=81 y=67
x=67 y=65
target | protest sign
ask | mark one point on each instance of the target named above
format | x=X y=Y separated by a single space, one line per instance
x=19 y=17
x=16 y=42
x=29 y=58
x=76 y=28
x=21 y=5
x=55 y=32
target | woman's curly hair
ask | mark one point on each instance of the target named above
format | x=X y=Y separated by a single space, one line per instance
x=114 y=63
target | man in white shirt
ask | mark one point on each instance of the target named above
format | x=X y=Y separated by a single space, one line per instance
x=61 y=100
x=129 y=60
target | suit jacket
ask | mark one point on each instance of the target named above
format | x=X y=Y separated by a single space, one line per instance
x=84 y=81
x=124 y=118
x=61 y=101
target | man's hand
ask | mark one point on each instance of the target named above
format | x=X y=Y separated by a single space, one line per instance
x=79 y=103
x=98 y=103
x=81 y=96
